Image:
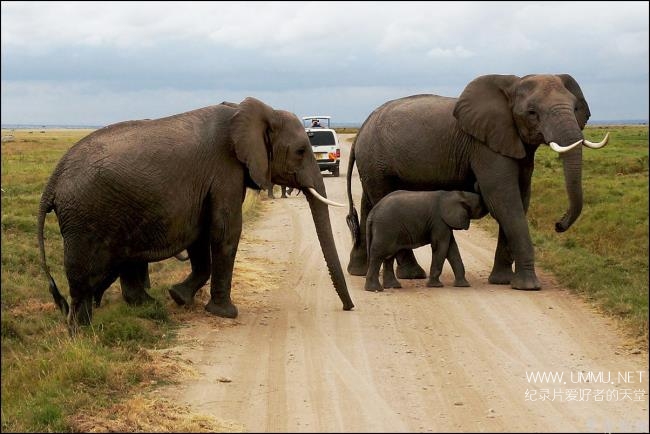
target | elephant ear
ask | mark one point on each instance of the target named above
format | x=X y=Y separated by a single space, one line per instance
x=251 y=129
x=453 y=212
x=582 y=113
x=484 y=112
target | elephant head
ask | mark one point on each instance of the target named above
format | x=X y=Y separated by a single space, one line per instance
x=514 y=115
x=287 y=159
x=458 y=207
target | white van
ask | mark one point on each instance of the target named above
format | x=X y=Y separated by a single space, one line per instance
x=324 y=142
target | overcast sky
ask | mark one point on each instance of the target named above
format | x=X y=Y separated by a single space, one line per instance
x=96 y=63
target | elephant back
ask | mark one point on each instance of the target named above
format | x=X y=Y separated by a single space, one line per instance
x=406 y=139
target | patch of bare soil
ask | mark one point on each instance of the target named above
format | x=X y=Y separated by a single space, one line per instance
x=415 y=359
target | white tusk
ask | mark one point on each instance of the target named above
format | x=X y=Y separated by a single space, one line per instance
x=322 y=199
x=560 y=149
x=597 y=145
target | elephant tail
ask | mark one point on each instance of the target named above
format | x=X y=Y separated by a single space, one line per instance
x=45 y=207
x=352 y=218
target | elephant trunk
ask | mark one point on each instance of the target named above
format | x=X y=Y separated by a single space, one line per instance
x=572 y=162
x=320 y=214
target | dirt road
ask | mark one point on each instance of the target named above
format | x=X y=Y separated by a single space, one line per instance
x=414 y=359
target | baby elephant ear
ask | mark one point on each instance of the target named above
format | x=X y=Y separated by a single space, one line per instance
x=251 y=130
x=453 y=211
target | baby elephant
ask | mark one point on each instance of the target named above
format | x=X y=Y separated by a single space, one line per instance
x=411 y=219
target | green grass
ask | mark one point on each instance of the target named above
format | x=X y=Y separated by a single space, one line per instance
x=48 y=377
x=604 y=255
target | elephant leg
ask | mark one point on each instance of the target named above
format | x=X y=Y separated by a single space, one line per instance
x=388 y=275
x=88 y=278
x=223 y=261
x=81 y=312
x=199 y=252
x=456 y=262
x=98 y=295
x=270 y=192
x=408 y=267
x=372 y=276
x=375 y=256
x=147 y=279
x=502 y=273
x=358 y=265
x=438 y=255
x=132 y=280
x=81 y=306
x=504 y=198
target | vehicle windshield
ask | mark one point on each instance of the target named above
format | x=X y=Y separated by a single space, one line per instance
x=321 y=138
x=323 y=121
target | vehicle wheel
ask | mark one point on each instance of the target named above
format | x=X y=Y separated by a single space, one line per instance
x=335 y=171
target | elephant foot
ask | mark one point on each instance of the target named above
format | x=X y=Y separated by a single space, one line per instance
x=357 y=269
x=81 y=313
x=392 y=284
x=526 y=281
x=461 y=283
x=181 y=295
x=224 y=309
x=410 y=271
x=434 y=283
x=373 y=286
x=501 y=277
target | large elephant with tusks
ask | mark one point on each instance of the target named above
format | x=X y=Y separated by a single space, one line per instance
x=143 y=191
x=489 y=134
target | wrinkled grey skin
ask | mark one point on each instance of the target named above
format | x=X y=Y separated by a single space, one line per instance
x=490 y=134
x=411 y=219
x=143 y=191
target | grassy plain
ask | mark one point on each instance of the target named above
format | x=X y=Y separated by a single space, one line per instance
x=49 y=382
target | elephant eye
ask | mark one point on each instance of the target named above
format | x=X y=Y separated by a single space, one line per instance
x=531 y=112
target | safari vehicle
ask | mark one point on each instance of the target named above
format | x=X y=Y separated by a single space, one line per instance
x=324 y=142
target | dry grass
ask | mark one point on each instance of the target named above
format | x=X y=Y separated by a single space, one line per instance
x=147 y=413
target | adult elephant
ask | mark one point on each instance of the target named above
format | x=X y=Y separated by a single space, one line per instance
x=489 y=134
x=142 y=191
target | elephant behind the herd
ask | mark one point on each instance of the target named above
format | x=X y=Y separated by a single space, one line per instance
x=142 y=191
x=489 y=134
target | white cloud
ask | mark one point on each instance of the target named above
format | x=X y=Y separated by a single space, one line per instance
x=631 y=44
x=457 y=51
x=185 y=49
